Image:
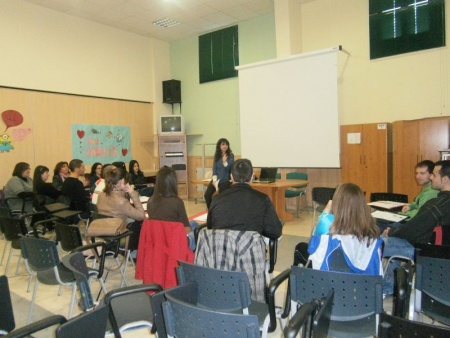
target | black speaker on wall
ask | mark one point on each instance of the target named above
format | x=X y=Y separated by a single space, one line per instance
x=172 y=91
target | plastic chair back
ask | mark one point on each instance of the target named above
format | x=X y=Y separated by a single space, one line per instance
x=12 y=229
x=187 y=293
x=182 y=320
x=232 y=293
x=297 y=176
x=76 y=263
x=129 y=305
x=432 y=296
x=388 y=196
x=7 y=322
x=391 y=326
x=321 y=195
x=358 y=299
x=69 y=236
x=42 y=253
x=90 y=324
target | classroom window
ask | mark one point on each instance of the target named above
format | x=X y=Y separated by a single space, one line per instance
x=403 y=26
x=218 y=54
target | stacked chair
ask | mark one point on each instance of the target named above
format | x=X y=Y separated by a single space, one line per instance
x=88 y=324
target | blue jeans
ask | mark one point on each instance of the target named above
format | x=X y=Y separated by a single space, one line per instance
x=191 y=237
x=394 y=246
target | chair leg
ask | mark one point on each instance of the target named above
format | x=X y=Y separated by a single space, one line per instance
x=298 y=206
x=18 y=264
x=4 y=250
x=102 y=284
x=72 y=300
x=29 y=282
x=33 y=300
x=9 y=259
x=306 y=201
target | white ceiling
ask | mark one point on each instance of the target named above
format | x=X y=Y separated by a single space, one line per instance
x=196 y=17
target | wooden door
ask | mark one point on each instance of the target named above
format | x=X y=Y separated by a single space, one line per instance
x=352 y=155
x=406 y=136
x=376 y=145
x=434 y=136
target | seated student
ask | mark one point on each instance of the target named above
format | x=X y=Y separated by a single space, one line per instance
x=100 y=183
x=113 y=202
x=243 y=208
x=400 y=238
x=74 y=190
x=424 y=170
x=20 y=185
x=60 y=173
x=96 y=171
x=346 y=225
x=123 y=167
x=42 y=188
x=138 y=180
x=165 y=205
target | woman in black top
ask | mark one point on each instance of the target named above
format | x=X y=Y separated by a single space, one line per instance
x=60 y=173
x=40 y=186
x=96 y=171
x=138 y=180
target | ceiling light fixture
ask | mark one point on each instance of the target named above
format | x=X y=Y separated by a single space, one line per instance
x=166 y=23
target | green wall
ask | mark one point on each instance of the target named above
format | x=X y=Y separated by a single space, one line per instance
x=212 y=109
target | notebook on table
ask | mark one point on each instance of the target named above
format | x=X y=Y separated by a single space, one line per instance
x=268 y=175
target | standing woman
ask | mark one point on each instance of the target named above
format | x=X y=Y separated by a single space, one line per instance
x=20 y=185
x=223 y=159
x=96 y=171
x=40 y=185
x=165 y=205
x=60 y=173
x=138 y=180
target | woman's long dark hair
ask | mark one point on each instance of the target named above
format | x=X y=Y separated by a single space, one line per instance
x=130 y=168
x=37 y=177
x=58 y=167
x=218 y=153
x=94 y=168
x=166 y=185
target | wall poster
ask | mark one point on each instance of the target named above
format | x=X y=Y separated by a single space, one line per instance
x=101 y=143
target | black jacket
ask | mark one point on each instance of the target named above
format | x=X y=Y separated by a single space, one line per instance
x=420 y=228
x=242 y=208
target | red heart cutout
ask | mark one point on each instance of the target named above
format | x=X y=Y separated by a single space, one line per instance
x=124 y=152
x=80 y=133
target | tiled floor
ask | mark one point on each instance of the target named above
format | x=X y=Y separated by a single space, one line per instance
x=47 y=298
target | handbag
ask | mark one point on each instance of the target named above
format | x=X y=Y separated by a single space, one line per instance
x=106 y=227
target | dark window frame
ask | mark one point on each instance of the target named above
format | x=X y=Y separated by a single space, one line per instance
x=218 y=54
x=404 y=26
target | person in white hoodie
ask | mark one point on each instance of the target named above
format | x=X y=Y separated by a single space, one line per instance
x=348 y=226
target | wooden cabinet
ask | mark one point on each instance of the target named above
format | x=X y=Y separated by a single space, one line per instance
x=415 y=141
x=366 y=156
x=172 y=153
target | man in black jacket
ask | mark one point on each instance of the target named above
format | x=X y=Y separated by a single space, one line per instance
x=74 y=190
x=399 y=238
x=242 y=208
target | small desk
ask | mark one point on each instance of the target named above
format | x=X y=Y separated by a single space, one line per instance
x=275 y=191
x=54 y=207
x=66 y=214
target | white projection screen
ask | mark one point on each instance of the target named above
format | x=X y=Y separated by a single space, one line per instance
x=289 y=111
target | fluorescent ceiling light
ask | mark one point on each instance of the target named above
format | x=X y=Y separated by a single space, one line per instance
x=166 y=23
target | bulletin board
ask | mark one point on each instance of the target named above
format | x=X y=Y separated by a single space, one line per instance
x=101 y=143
